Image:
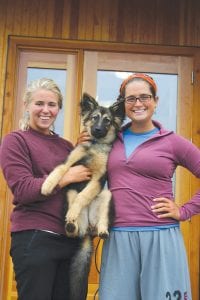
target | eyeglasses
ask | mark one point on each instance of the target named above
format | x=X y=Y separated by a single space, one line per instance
x=142 y=98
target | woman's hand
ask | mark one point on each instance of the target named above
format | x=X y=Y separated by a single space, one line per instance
x=75 y=174
x=166 y=208
x=83 y=137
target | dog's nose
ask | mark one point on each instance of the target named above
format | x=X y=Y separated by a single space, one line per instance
x=98 y=132
x=97 y=129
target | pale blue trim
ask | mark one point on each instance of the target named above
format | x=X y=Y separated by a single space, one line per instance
x=132 y=140
x=145 y=228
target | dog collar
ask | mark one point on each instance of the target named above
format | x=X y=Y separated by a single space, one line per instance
x=94 y=141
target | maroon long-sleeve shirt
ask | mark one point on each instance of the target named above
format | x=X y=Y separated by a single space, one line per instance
x=147 y=174
x=26 y=158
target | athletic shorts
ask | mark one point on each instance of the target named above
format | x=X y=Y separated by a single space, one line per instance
x=144 y=265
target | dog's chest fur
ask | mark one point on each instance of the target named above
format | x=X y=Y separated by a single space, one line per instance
x=96 y=157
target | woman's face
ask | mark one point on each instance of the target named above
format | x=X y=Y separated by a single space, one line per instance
x=140 y=112
x=43 y=110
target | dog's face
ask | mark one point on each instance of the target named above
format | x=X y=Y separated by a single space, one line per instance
x=101 y=122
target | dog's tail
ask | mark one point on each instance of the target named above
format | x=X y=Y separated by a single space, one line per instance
x=80 y=268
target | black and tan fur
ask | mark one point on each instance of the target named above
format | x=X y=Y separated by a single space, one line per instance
x=90 y=207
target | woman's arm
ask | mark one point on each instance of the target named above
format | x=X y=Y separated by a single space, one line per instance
x=16 y=165
x=188 y=156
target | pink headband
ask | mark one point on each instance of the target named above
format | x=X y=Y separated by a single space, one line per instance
x=138 y=75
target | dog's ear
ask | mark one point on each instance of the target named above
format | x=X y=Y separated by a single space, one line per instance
x=118 y=109
x=88 y=104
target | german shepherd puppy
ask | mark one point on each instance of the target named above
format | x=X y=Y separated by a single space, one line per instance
x=90 y=209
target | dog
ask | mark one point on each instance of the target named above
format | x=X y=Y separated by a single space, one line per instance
x=90 y=210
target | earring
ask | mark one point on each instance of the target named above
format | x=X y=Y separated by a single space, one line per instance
x=26 y=114
x=26 y=119
x=52 y=127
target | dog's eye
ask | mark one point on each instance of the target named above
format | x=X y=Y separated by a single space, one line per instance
x=95 y=118
x=107 y=121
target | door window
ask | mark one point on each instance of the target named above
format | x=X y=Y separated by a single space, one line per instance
x=108 y=83
x=60 y=78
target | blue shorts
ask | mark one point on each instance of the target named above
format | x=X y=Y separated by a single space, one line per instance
x=144 y=265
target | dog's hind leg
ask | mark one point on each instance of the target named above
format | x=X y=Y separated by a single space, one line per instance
x=83 y=222
x=71 y=229
x=79 y=270
x=100 y=214
x=83 y=199
x=80 y=226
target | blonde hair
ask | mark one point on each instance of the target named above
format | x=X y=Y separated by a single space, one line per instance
x=42 y=83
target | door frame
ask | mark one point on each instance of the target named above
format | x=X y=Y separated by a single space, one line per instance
x=16 y=44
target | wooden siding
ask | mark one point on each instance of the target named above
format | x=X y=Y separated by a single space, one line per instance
x=159 y=22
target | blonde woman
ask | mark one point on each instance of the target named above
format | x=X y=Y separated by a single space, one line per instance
x=40 y=250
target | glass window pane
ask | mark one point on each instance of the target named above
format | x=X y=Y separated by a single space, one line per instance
x=108 y=83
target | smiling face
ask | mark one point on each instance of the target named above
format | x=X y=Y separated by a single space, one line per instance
x=43 y=110
x=140 y=112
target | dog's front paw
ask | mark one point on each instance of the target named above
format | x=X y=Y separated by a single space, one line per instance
x=53 y=179
x=47 y=187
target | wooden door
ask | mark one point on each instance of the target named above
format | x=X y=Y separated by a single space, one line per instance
x=84 y=67
x=180 y=121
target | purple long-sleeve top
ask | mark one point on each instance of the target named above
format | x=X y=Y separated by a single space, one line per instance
x=26 y=158
x=147 y=174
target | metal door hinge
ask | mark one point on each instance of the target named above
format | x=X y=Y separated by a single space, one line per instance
x=192 y=77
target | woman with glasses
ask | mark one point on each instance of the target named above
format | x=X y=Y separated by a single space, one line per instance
x=144 y=257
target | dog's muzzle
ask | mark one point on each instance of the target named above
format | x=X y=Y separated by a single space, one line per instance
x=98 y=132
